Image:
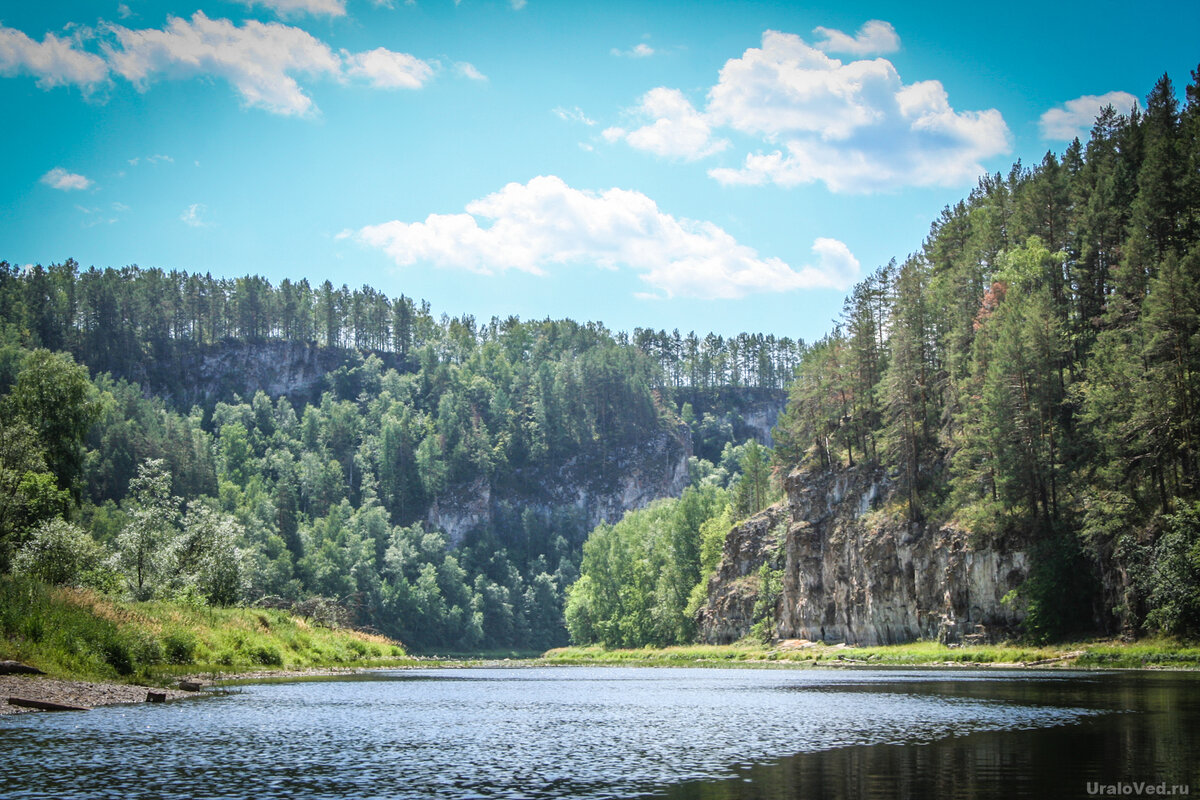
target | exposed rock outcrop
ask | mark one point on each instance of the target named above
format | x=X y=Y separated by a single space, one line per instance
x=203 y=374
x=854 y=573
x=633 y=478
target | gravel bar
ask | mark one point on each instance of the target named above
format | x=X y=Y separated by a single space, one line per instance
x=74 y=693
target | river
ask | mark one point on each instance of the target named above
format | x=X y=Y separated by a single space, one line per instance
x=617 y=732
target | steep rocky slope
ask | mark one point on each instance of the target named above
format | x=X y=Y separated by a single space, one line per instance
x=853 y=572
x=638 y=475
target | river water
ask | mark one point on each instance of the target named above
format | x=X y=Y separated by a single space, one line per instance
x=583 y=732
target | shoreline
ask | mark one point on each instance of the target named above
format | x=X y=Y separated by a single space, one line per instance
x=1092 y=656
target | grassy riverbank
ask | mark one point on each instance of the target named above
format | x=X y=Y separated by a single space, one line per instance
x=72 y=633
x=1155 y=653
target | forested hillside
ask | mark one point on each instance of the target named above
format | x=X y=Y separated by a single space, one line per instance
x=226 y=441
x=1032 y=372
x=1022 y=390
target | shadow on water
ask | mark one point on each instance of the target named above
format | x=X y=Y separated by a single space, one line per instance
x=1145 y=742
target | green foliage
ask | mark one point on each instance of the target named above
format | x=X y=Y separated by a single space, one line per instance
x=766 y=604
x=1174 y=576
x=1059 y=590
x=55 y=398
x=59 y=553
x=638 y=575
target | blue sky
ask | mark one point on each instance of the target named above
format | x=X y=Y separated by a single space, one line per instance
x=706 y=166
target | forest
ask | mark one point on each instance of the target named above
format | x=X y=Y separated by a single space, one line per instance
x=320 y=499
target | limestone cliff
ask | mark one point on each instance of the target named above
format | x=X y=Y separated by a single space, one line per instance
x=633 y=478
x=191 y=375
x=853 y=572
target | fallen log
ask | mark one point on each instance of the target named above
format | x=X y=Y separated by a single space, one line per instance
x=156 y=697
x=1041 y=661
x=43 y=705
x=17 y=668
x=191 y=686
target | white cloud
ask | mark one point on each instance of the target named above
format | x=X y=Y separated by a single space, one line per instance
x=154 y=159
x=1074 y=118
x=53 y=61
x=640 y=50
x=256 y=58
x=468 y=70
x=59 y=178
x=192 y=216
x=517 y=5
x=387 y=69
x=613 y=134
x=678 y=130
x=123 y=11
x=856 y=127
x=291 y=8
x=573 y=115
x=543 y=224
x=873 y=38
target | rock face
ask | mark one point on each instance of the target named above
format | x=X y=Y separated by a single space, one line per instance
x=760 y=417
x=639 y=475
x=199 y=375
x=854 y=573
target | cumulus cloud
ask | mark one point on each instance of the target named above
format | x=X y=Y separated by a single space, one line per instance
x=59 y=178
x=855 y=126
x=258 y=59
x=53 y=61
x=291 y=8
x=640 y=50
x=873 y=38
x=387 y=69
x=193 y=216
x=677 y=130
x=544 y=224
x=468 y=70
x=1074 y=118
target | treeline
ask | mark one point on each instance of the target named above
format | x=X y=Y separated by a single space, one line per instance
x=287 y=501
x=326 y=499
x=113 y=319
x=1033 y=371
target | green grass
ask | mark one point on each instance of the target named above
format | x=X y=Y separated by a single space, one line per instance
x=1146 y=653
x=73 y=633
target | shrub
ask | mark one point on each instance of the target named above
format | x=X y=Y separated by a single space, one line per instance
x=266 y=655
x=1174 y=576
x=146 y=650
x=58 y=553
x=116 y=653
x=179 y=647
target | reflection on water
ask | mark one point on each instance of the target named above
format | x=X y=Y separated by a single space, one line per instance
x=1147 y=731
x=622 y=732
